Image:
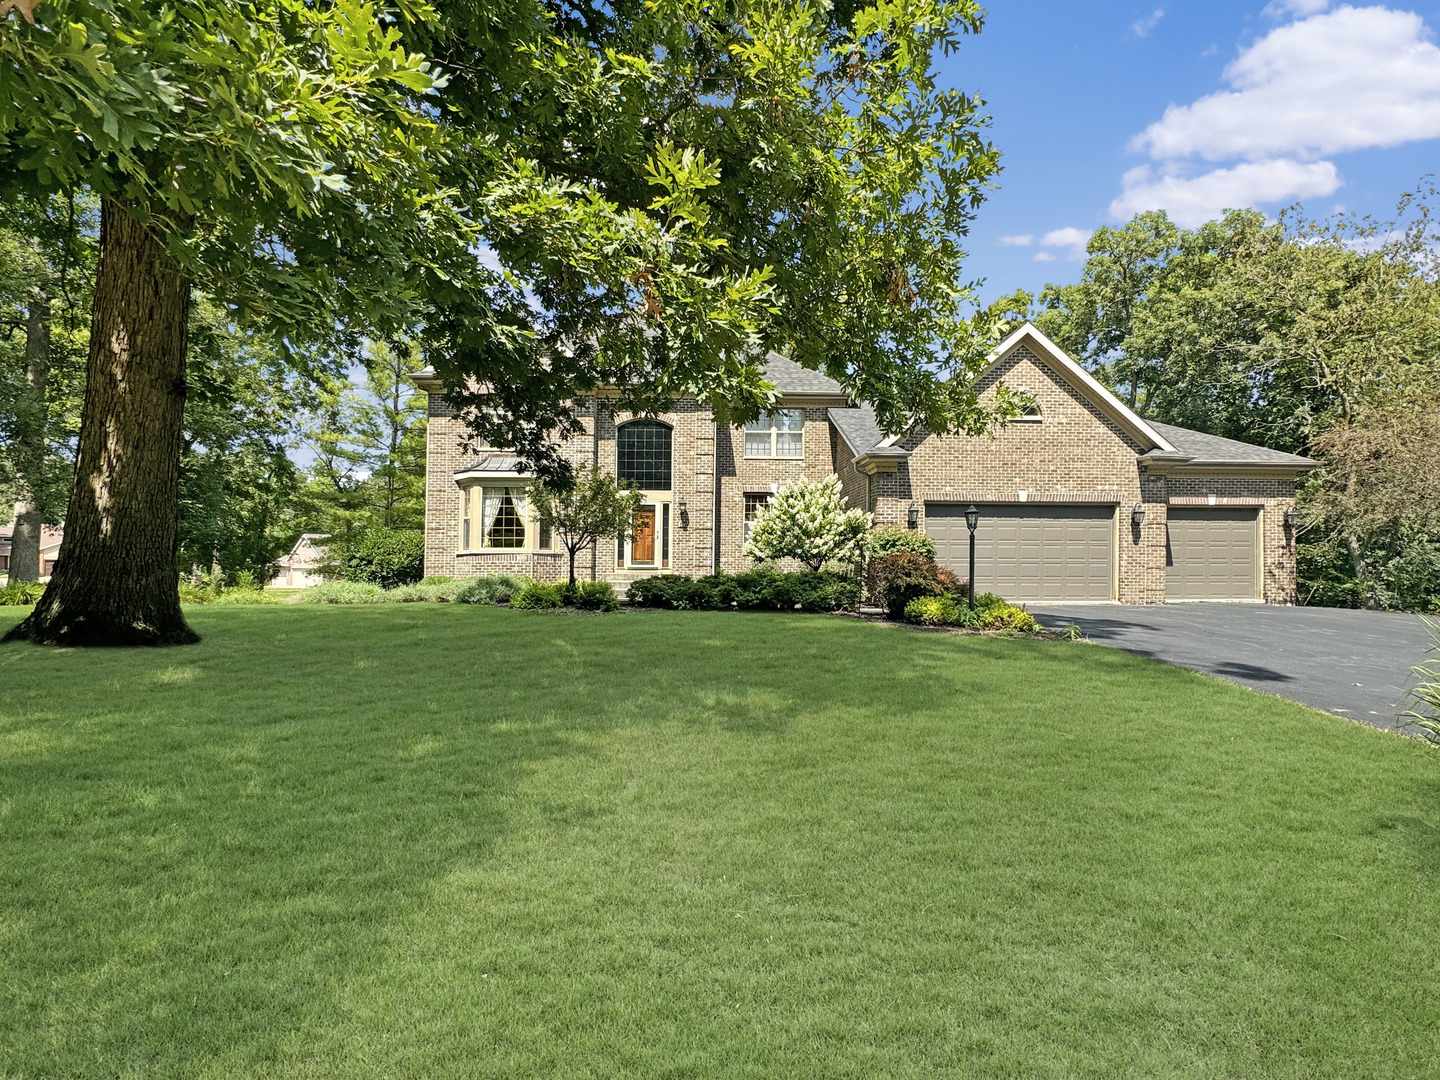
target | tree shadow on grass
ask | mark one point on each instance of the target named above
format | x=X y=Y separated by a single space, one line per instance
x=201 y=850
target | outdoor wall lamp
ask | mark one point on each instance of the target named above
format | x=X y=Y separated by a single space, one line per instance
x=680 y=504
x=972 y=519
x=1137 y=516
x=913 y=517
x=1292 y=517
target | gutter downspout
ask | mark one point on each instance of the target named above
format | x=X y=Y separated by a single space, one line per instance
x=715 y=514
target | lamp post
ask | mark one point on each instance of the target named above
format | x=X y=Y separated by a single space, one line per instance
x=972 y=519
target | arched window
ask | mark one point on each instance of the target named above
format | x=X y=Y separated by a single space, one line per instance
x=642 y=455
x=1031 y=414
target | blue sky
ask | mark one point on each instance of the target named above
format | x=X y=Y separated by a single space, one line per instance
x=1101 y=110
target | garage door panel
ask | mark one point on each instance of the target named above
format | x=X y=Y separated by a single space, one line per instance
x=1030 y=553
x=1212 y=553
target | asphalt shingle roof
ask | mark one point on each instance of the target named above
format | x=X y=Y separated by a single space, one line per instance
x=1203 y=447
x=790 y=378
x=858 y=427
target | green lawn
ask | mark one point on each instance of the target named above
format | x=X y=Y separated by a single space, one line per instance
x=446 y=841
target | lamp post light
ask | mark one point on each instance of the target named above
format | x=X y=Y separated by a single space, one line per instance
x=972 y=519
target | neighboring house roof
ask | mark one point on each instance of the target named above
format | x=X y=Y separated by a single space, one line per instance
x=1202 y=449
x=306 y=552
x=50 y=537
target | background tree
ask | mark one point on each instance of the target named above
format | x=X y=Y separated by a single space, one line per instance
x=46 y=259
x=593 y=506
x=276 y=154
x=366 y=441
x=808 y=520
x=240 y=497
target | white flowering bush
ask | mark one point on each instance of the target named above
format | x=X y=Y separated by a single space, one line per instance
x=808 y=520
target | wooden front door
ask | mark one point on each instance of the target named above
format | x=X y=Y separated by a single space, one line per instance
x=642 y=542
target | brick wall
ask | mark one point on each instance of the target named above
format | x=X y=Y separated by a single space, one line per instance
x=739 y=474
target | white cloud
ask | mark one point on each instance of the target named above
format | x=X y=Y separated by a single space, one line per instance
x=1044 y=256
x=1345 y=80
x=1070 y=238
x=1278 y=9
x=1023 y=240
x=1145 y=25
x=1192 y=200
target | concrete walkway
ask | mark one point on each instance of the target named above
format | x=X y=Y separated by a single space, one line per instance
x=1352 y=663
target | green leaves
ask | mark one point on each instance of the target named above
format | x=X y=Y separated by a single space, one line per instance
x=267 y=140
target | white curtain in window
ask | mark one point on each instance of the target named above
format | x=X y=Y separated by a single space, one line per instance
x=490 y=508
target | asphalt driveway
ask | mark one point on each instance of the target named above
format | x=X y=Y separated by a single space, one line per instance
x=1352 y=663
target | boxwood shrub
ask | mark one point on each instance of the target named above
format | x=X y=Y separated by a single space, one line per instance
x=753 y=590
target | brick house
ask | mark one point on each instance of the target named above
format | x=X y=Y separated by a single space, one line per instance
x=50 y=537
x=1081 y=500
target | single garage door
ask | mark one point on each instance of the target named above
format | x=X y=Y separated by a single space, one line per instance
x=1211 y=553
x=1029 y=553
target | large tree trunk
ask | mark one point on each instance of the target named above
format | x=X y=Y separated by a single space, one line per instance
x=30 y=441
x=115 y=581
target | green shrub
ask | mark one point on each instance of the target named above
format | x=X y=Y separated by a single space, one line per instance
x=754 y=590
x=893 y=539
x=248 y=596
x=537 y=597
x=384 y=557
x=190 y=593
x=431 y=590
x=987 y=600
x=594 y=596
x=341 y=592
x=1005 y=616
x=492 y=590
x=19 y=593
x=933 y=611
x=897 y=579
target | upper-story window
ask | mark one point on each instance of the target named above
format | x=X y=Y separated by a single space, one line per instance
x=642 y=455
x=1030 y=414
x=776 y=434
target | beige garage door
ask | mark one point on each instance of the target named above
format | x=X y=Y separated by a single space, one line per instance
x=1029 y=553
x=1211 y=553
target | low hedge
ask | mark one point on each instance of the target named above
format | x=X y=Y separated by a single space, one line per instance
x=753 y=590
x=991 y=613
x=585 y=595
x=492 y=590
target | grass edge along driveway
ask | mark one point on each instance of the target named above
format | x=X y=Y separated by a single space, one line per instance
x=419 y=841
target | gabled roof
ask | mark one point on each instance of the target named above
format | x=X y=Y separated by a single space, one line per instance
x=1199 y=448
x=1088 y=386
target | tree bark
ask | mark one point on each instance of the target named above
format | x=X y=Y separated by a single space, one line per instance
x=115 y=581
x=30 y=441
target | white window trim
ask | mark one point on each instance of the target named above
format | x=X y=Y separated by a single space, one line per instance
x=469 y=484
x=773 y=433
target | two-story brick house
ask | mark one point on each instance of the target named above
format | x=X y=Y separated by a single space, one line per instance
x=1081 y=500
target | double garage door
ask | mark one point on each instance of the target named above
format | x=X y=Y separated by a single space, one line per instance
x=1030 y=553
x=1044 y=553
